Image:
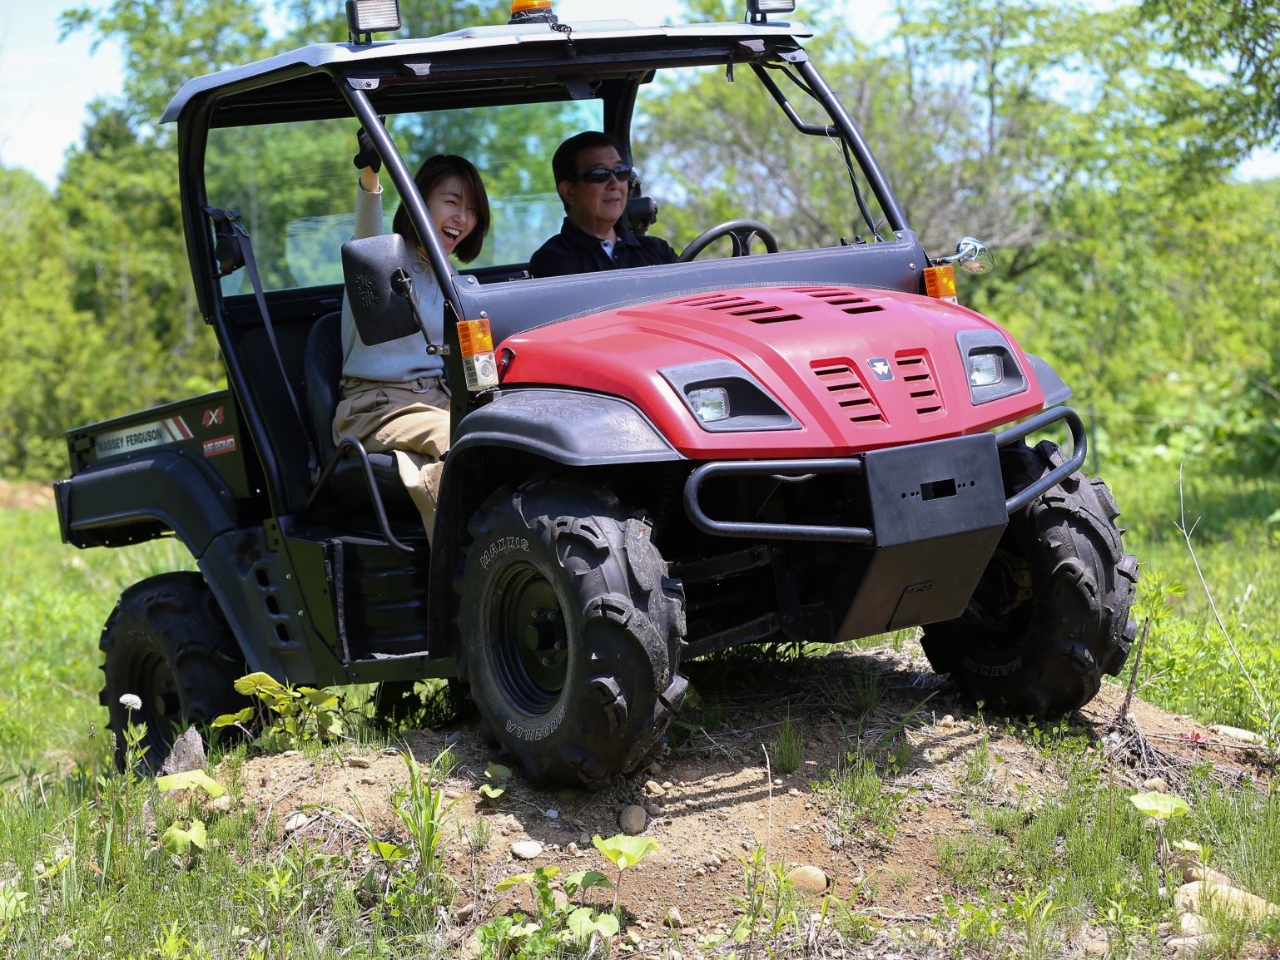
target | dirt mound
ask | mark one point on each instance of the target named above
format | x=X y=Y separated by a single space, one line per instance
x=717 y=794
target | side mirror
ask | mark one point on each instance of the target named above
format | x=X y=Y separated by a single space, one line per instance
x=971 y=256
x=370 y=267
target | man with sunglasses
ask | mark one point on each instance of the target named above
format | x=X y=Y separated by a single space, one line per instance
x=594 y=183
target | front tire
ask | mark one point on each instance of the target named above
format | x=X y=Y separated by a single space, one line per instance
x=168 y=644
x=1051 y=613
x=570 y=632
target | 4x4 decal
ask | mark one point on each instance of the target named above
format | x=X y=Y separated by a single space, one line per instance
x=880 y=367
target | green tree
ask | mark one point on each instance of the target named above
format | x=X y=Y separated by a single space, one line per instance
x=1240 y=42
x=57 y=365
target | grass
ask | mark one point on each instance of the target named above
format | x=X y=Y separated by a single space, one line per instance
x=80 y=875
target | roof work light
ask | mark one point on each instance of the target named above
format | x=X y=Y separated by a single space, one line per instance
x=758 y=10
x=367 y=17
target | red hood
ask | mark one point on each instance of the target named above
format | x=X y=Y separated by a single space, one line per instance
x=812 y=348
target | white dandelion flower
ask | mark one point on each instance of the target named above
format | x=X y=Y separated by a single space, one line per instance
x=131 y=701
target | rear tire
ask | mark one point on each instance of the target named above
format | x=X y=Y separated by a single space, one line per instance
x=570 y=632
x=168 y=644
x=1051 y=613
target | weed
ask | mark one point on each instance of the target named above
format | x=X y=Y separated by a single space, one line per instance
x=769 y=903
x=287 y=716
x=788 y=749
x=552 y=925
x=862 y=804
x=977 y=763
x=1034 y=912
x=624 y=852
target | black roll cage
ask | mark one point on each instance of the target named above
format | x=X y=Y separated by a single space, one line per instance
x=327 y=82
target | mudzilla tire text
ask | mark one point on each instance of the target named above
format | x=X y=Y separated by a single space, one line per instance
x=1051 y=614
x=570 y=632
x=167 y=643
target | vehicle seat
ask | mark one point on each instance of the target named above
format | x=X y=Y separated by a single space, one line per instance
x=321 y=373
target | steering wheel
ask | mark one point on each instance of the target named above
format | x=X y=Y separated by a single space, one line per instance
x=741 y=232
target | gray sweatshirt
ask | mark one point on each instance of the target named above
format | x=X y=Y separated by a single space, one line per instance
x=396 y=361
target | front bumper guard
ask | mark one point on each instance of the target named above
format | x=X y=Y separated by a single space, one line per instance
x=795 y=471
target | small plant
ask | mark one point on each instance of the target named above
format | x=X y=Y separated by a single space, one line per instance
x=1160 y=807
x=171 y=944
x=552 y=927
x=288 y=716
x=977 y=926
x=788 y=749
x=977 y=763
x=770 y=901
x=497 y=775
x=624 y=852
x=862 y=805
x=1035 y=913
x=185 y=843
x=13 y=906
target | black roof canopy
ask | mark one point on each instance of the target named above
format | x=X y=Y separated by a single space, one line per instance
x=482 y=66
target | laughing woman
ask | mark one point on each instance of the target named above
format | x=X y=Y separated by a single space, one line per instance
x=393 y=395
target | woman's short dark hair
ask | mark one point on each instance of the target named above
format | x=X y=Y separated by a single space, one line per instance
x=434 y=170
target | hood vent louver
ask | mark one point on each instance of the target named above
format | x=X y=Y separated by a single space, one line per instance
x=848 y=391
x=848 y=301
x=757 y=311
x=917 y=373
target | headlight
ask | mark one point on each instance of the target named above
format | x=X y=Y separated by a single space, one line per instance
x=710 y=404
x=724 y=398
x=989 y=365
x=985 y=369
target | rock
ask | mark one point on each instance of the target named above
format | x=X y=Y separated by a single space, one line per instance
x=553 y=814
x=560 y=899
x=1097 y=948
x=222 y=803
x=632 y=820
x=1201 y=896
x=652 y=809
x=465 y=912
x=674 y=919
x=454 y=737
x=1193 y=872
x=808 y=879
x=360 y=763
x=1155 y=784
x=1187 y=946
x=932 y=938
x=1235 y=733
x=526 y=849
x=947 y=721
x=473 y=948
x=1192 y=925
x=573 y=850
x=653 y=788
x=296 y=822
x=187 y=753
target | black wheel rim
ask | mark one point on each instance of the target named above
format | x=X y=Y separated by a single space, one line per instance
x=530 y=639
x=153 y=683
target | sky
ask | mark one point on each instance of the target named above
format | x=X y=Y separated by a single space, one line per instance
x=46 y=86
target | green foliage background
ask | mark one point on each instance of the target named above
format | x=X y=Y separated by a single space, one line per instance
x=1091 y=149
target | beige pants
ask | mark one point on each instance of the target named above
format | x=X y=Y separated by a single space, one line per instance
x=410 y=420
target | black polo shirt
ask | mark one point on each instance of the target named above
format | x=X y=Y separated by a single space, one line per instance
x=573 y=250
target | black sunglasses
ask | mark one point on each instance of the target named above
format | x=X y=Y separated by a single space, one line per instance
x=624 y=173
